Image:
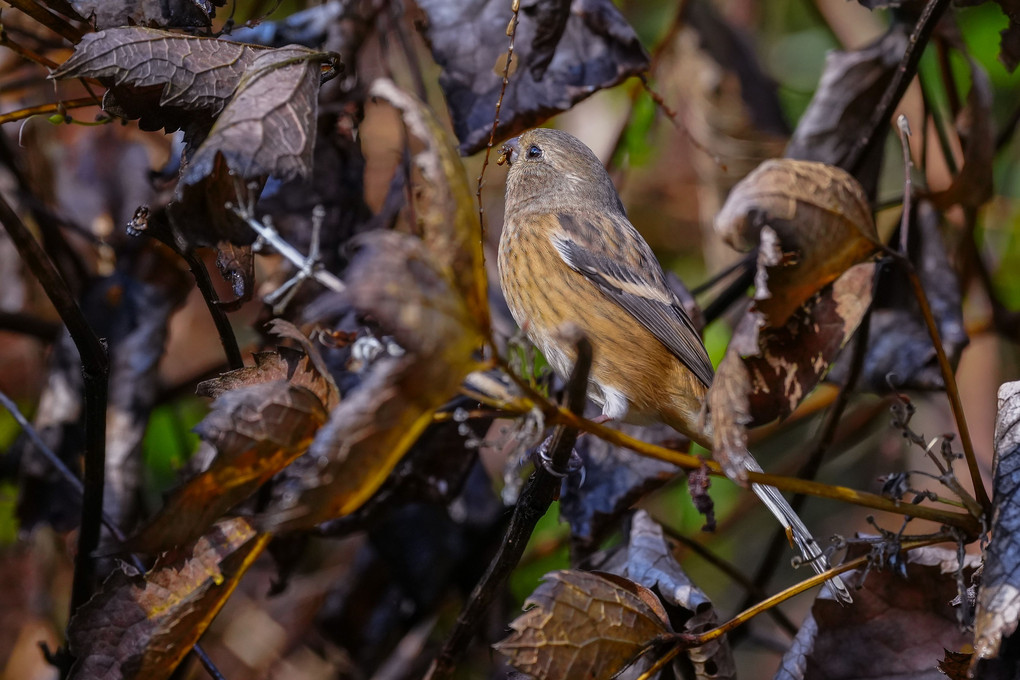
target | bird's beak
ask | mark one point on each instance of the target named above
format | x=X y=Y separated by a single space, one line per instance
x=509 y=152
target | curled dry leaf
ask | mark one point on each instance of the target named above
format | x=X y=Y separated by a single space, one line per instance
x=268 y=126
x=581 y=624
x=819 y=224
x=396 y=280
x=766 y=374
x=142 y=626
x=998 y=604
x=268 y=97
x=256 y=431
x=443 y=204
x=468 y=38
x=897 y=627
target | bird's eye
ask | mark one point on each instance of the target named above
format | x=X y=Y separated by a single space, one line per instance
x=534 y=151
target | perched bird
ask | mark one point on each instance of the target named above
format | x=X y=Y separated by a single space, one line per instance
x=568 y=253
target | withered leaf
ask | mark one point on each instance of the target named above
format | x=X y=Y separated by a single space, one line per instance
x=820 y=224
x=394 y=278
x=649 y=561
x=580 y=624
x=550 y=17
x=142 y=626
x=256 y=432
x=614 y=479
x=597 y=49
x=152 y=13
x=850 y=88
x=998 y=603
x=194 y=73
x=287 y=364
x=268 y=127
x=766 y=374
x=444 y=206
x=896 y=627
x=955 y=665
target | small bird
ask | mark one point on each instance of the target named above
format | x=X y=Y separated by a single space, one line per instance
x=568 y=254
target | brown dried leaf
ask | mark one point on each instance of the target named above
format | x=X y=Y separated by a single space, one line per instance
x=649 y=561
x=194 y=73
x=395 y=279
x=153 y=13
x=142 y=626
x=268 y=127
x=812 y=222
x=998 y=604
x=766 y=374
x=896 y=627
x=597 y=49
x=850 y=88
x=444 y=206
x=580 y=624
x=955 y=665
x=256 y=431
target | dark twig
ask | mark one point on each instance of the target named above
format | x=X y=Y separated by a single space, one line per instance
x=904 y=73
x=95 y=366
x=952 y=390
x=26 y=324
x=51 y=21
x=511 y=32
x=47 y=109
x=108 y=521
x=539 y=493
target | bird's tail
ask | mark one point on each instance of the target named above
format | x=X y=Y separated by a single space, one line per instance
x=809 y=549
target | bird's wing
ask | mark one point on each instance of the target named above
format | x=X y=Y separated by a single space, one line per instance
x=641 y=291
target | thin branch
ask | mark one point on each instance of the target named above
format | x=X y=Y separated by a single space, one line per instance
x=307 y=267
x=542 y=488
x=47 y=109
x=24 y=52
x=95 y=372
x=26 y=324
x=51 y=21
x=511 y=32
x=799 y=588
x=896 y=88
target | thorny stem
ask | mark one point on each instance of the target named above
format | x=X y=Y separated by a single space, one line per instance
x=48 y=109
x=95 y=368
x=539 y=493
x=108 y=521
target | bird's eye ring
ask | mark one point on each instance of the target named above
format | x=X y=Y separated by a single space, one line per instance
x=534 y=151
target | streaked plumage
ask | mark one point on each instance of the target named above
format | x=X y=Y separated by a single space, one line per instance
x=568 y=254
